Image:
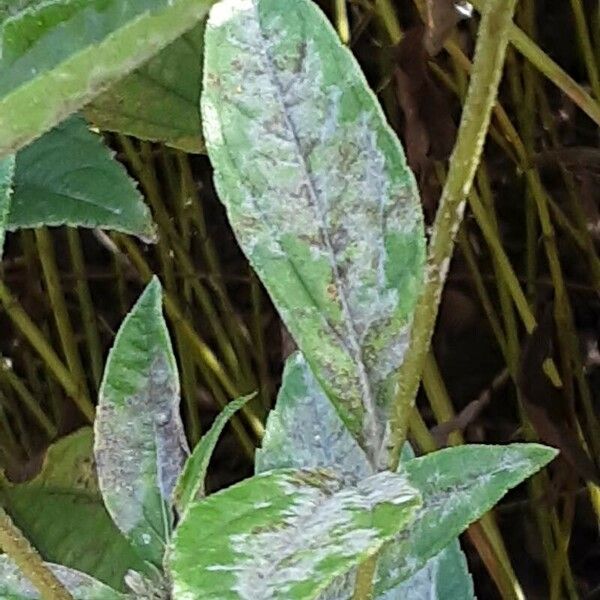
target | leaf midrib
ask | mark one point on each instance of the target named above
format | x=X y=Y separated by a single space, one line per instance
x=352 y=343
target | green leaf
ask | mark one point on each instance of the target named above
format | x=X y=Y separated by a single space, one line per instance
x=285 y=535
x=190 y=485
x=458 y=485
x=62 y=514
x=319 y=195
x=69 y=177
x=140 y=446
x=305 y=432
x=14 y=586
x=56 y=56
x=160 y=100
x=443 y=577
x=7 y=169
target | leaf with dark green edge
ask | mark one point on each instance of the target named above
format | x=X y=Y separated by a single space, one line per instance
x=15 y=586
x=304 y=431
x=61 y=512
x=285 y=534
x=445 y=576
x=190 y=485
x=69 y=177
x=57 y=56
x=140 y=446
x=319 y=195
x=160 y=101
x=7 y=170
x=458 y=485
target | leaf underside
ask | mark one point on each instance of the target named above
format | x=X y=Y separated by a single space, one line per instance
x=319 y=195
x=61 y=512
x=14 y=586
x=56 y=56
x=160 y=100
x=140 y=447
x=68 y=177
x=285 y=535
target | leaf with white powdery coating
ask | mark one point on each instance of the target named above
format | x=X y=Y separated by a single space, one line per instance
x=191 y=482
x=319 y=195
x=69 y=177
x=15 y=586
x=458 y=485
x=285 y=535
x=304 y=431
x=7 y=170
x=56 y=56
x=140 y=446
x=159 y=101
x=444 y=576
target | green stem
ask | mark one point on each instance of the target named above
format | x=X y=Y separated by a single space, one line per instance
x=22 y=553
x=88 y=314
x=363 y=588
x=585 y=43
x=483 y=88
x=36 y=338
x=59 y=308
x=532 y=52
x=341 y=20
x=28 y=400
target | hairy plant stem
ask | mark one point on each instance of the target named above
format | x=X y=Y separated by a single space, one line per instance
x=485 y=79
x=22 y=553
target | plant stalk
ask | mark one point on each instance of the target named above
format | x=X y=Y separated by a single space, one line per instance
x=485 y=79
x=22 y=553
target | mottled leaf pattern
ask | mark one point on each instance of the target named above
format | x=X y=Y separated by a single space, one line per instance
x=61 y=512
x=319 y=196
x=190 y=485
x=285 y=535
x=160 y=100
x=457 y=485
x=68 y=176
x=7 y=169
x=58 y=55
x=140 y=446
x=445 y=576
x=305 y=432
x=14 y=586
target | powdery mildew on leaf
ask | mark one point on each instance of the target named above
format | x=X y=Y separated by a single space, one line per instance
x=15 y=586
x=319 y=195
x=445 y=576
x=7 y=169
x=285 y=535
x=305 y=432
x=140 y=445
x=69 y=177
x=458 y=485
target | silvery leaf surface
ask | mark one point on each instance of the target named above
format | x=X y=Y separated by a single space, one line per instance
x=319 y=195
